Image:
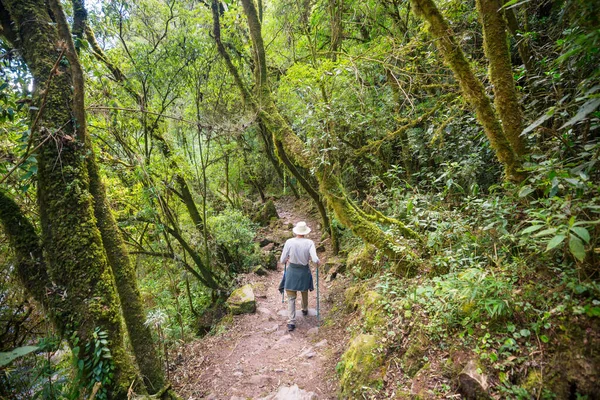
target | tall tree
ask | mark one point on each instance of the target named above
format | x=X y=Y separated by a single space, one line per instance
x=471 y=87
x=495 y=44
x=72 y=243
x=145 y=352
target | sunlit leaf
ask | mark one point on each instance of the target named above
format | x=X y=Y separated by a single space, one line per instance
x=587 y=108
x=9 y=356
x=555 y=241
x=582 y=233
x=576 y=247
x=531 y=229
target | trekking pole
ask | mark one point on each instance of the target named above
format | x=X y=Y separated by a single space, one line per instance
x=318 y=310
x=283 y=293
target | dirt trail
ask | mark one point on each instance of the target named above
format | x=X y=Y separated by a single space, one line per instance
x=256 y=356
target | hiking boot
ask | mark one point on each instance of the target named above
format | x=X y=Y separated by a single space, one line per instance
x=304 y=312
x=291 y=327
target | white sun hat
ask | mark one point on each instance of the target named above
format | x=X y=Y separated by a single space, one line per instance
x=301 y=228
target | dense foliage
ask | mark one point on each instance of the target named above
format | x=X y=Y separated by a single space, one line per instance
x=360 y=104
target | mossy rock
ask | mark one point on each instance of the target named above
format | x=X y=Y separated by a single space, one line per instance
x=259 y=270
x=420 y=386
x=266 y=214
x=362 y=365
x=372 y=310
x=268 y=260
x=413 y=357
x=242 y=301
x=472 y=382
x=574 y=366
x=209 y=318
x=533 y=382
x=362 y=262
x=352 y=297
x=334 y=266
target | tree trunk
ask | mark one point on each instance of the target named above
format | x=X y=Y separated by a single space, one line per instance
x=522 y=43
x=73 y=246
x=140 y=336
x=336 y=8
x=495 y=44
x=268 y=142
x=30 y=267
x=144 y=350
x=471 y=87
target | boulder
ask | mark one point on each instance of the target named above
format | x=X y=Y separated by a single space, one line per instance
x=242 y=301
x=264 y=242
x=361 y=366
x=266 y=214
x=209 y=318
x=473 y=384
x=412 y=360
x=332 y=268
x=290 y=393
x=268 y=247
x=259 y=270
x=268 y=260
x=372 y=310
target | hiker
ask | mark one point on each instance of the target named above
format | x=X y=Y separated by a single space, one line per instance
x=298 y=277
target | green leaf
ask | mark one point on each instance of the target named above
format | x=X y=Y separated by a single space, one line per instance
x=539 y=121
x=555 y=241
x=576 y=247
x=573 y=181
x=10 y=356
x=514 y=3
x=525 y=190
x=525 y=332
x=582 y=233
x=532 y=228
x=546 y=232
x=544 y=338
x=587 y=108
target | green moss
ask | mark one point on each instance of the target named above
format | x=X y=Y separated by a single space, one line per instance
x=412 y=359
x=73 y=249
x=373 y=313
x=470 y=85
x=352 y=297
x=362 y=262
x=242 y=301
x=533 y=382
x=362 y=365
x=266 y=214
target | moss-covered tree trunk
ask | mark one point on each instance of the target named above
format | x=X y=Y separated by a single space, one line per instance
x=336 y=9
x=30 y=267
x=144 y=350
x=140 y=336
x=495 y=44
x=270 y=152
x=72 y=243
x=522 y=43
x=471 y=87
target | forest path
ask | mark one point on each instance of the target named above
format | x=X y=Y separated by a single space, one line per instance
x=255 y=357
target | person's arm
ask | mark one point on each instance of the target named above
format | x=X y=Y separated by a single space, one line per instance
x=313 y=254
x=285 y=253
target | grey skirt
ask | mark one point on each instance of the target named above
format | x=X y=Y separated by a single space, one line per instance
x=297 y=277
